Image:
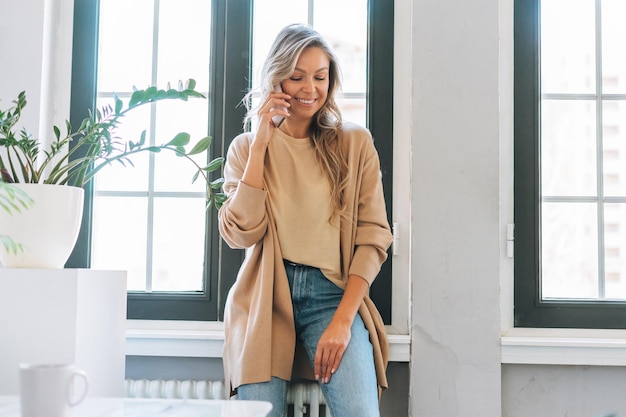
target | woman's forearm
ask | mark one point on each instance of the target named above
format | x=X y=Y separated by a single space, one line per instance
x=355 y=291
x=253 y=173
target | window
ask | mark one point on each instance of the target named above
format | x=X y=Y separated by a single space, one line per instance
x=570 y=189
x=149 y=220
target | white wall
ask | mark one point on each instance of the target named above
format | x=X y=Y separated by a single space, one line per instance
x=35 y=40
x=21 y=43
x=455 y=209
x=570 y=391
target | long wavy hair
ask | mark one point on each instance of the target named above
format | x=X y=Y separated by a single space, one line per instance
x=325 y=129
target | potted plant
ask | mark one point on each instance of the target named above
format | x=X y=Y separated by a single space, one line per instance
x=70 y=162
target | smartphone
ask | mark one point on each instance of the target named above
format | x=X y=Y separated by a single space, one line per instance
x=278 y=119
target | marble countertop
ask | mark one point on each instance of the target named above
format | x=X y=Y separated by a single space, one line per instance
x=136 y=407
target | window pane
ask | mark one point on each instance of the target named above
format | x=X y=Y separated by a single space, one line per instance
x=568 y=46
x=348 y=41
x=172 y=172
x=569 y=250
x=615 y=249
x=568 y=148
x=270 y=16
x=178 y=240
x=184 y=39
x=122 y=60
x=614 y=147
x=353 y=110
x=177 y=49
x=119 y=237
x=613 y=57
x=127 y=177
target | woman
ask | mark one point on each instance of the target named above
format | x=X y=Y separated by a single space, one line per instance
x=305 y=199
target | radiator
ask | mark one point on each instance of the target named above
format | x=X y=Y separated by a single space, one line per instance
x=306 y=398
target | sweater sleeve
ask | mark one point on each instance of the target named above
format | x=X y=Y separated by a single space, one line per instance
x=242 y=219
x=373 y=234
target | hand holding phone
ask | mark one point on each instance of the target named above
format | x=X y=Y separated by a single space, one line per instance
x=278 y=119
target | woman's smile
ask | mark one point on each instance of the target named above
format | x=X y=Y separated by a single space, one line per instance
x=305 y=101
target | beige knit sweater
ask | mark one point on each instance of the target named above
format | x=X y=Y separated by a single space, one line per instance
x=260 y=339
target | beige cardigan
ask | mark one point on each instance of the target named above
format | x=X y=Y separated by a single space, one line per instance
x=260 y=339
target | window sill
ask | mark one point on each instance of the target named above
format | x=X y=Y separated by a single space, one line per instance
x=564 y=347
x=206 y=339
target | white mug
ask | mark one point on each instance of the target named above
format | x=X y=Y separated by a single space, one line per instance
x=47 y=390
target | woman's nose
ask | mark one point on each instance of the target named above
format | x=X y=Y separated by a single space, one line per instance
x=308 y=86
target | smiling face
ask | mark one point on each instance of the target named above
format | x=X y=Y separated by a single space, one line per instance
x=308 y=85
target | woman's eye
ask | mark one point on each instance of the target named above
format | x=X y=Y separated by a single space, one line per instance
x=295 y=79
x=320 y=78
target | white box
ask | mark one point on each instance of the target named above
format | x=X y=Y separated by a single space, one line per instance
x=64 y=316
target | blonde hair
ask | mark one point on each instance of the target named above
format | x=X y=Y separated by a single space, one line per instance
x=325 y=130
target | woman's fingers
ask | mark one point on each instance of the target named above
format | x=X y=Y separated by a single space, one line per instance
x=330 y=350
x=327 y=362
x=276 y=104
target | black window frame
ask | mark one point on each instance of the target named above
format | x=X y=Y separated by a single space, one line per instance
x=231 y=49
x=530 y=310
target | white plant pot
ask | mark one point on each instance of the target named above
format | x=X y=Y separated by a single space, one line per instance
x=47 y=230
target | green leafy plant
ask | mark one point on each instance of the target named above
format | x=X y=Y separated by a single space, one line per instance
x=13 y=200
x=95 y=145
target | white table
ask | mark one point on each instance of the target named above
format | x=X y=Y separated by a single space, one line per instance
x=143 y=407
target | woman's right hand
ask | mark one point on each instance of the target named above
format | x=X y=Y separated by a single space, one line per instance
x=276 y=104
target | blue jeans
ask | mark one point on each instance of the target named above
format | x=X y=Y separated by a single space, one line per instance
x=353 y=389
